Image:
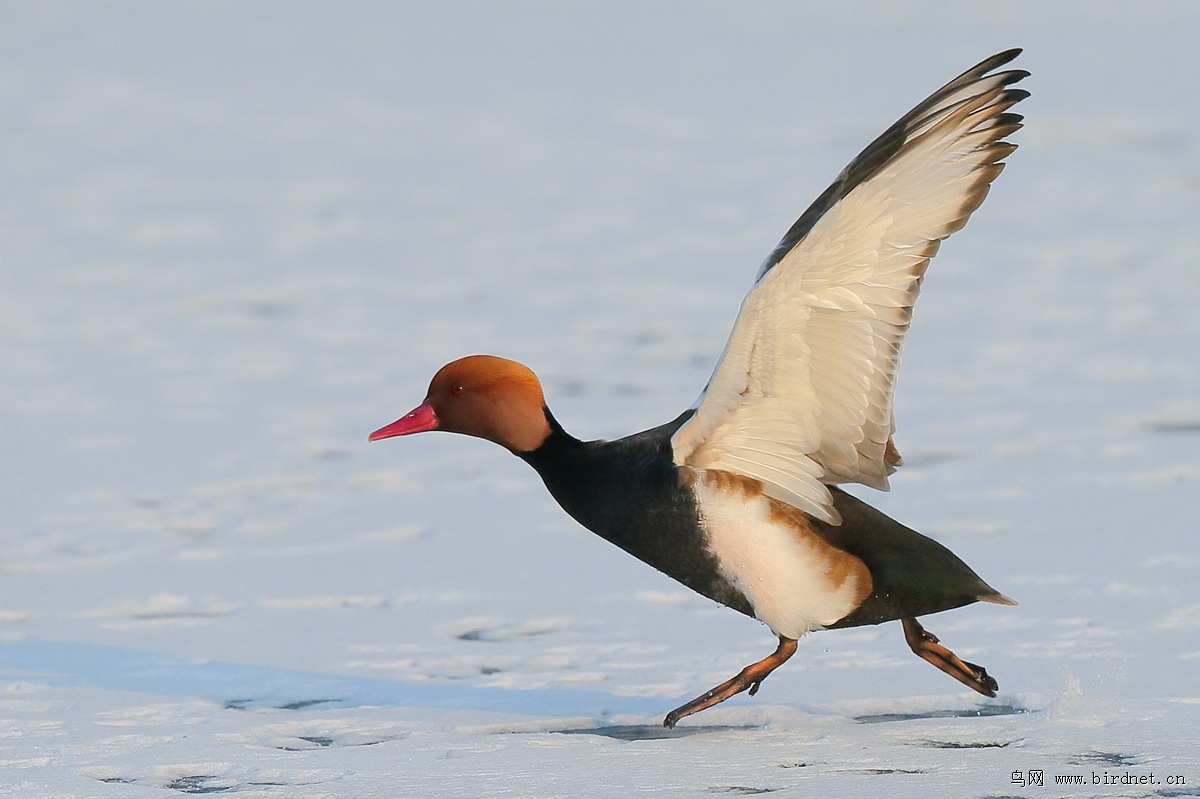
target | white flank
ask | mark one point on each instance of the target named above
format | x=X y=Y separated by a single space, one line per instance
x=783 y=571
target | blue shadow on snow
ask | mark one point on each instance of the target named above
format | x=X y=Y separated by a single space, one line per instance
x=240 y=686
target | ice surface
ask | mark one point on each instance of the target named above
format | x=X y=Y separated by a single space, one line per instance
x=235 y=238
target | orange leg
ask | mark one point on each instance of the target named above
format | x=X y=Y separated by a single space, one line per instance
x=750 y=677
x=925 y=645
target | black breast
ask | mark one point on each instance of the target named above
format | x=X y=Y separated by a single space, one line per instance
x=629 y=492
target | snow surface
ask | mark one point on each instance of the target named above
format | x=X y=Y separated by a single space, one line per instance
x=237 y=237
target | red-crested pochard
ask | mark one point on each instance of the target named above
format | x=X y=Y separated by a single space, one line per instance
x=736 y=497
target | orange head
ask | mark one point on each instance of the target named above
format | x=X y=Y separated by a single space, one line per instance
x=483 y=396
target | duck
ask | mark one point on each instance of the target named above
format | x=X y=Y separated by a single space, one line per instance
x=738 y=497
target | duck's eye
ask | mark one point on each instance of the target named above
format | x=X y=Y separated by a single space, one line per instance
x=456 y=388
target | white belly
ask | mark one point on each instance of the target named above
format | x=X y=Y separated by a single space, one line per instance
x=795 y=581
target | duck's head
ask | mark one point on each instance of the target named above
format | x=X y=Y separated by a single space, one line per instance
x=483 y=396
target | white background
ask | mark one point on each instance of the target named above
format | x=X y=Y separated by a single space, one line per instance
x=237 y=237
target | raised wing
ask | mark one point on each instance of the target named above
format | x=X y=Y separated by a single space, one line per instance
x=802 y=396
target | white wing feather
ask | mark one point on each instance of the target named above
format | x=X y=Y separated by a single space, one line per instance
x=802 y=396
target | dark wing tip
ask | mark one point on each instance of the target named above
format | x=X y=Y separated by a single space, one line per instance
x=1009 y=118
x=986 y=66
x=1015 y=96
x=1013 y=76
x=998 y=60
